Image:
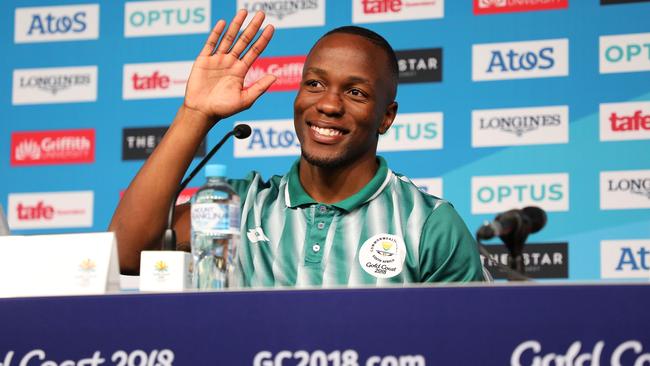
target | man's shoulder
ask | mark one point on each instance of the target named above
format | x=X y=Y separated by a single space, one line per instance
x=409 y=189
x=254 y=180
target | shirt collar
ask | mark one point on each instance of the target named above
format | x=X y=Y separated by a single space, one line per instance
x=296 y=196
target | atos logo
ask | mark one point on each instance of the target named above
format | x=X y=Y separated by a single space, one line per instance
x=413 y=131
x=625 y=53
x=520 y=60
x=156 y=18
x=492 y=194
x=625 y=121
x=155 y=80
x=56 y=23
x=624 y=189
x=625 y=258
x=268 y=138
x=50 y=210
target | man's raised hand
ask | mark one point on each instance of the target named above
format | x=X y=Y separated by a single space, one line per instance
x=215 y=87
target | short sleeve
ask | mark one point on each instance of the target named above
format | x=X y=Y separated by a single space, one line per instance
x=448 y=252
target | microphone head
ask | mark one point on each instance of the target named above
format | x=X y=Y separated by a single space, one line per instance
x=537 y=217
x=242 y=131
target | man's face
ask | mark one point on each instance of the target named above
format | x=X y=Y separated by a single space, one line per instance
x=344 y=101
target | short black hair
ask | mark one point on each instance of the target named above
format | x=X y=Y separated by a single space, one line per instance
x=376 y=39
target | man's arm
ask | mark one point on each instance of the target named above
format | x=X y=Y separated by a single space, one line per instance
x=215 y=90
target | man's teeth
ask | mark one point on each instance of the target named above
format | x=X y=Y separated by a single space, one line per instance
x=326 y=131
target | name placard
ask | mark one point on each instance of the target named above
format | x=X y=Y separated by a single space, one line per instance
x=62 y=264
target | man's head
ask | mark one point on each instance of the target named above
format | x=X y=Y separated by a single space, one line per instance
x=346 y=98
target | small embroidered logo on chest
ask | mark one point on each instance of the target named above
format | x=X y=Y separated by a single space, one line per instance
x=383 y=255
x=256 y=235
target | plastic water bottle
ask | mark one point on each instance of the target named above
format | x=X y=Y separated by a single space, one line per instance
x=215 y=233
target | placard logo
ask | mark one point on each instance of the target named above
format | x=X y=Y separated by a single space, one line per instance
x=432 y=186
x=625 y=121
x=493 y=194
x=624 y=53
x=509 y=6
x=56 y=23
x=520 y=60
x=54 y=85
x=419 y=66
x=625 y=258
x=138 y=143
x=413 y=131
x=157 y=18
x=520 y=126
x=373 y=11
x=541 y=260
x=155 y=80
x=287 y=13
x=287 y=69
x=52 y=147
x=624 y=189
x=48 y=210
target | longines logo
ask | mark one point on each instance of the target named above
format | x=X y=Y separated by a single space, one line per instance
x=520 y=126
x=625 y=121
x=625 y=189
x=139 y=143
x=420 y=65
x=55 y=85
x=288 y=13
x=547 y=260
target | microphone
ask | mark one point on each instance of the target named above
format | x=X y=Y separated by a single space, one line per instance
x=522 y=222
x=240 y=131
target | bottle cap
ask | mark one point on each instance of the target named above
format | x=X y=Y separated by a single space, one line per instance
x=215 y=170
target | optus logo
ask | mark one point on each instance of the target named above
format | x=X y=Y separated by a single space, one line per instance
x=155 y=18
x=520 y=60
x=56 y=23
x=492 y=194
x=414 y=131
x=625 y=53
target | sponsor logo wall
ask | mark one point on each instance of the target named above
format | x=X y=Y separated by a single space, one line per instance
x=535 y=102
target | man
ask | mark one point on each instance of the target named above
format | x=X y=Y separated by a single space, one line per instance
x=340 y=216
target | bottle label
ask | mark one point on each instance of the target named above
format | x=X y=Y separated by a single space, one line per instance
x=211 y=217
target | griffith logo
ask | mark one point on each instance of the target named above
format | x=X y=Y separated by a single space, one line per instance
x=50 y=210
x=288 y=71
x=372 y=11
x=52 y=147
x=155 y=80
x=509 y=6
x=625 y=121
x=624 y=189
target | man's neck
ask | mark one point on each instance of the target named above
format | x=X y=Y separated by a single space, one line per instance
x=331 y=185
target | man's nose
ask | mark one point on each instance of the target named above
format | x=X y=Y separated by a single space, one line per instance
x=330 y=103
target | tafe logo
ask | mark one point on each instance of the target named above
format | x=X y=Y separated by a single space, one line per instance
x=508 y=6
x=155 y=80
x=54 y=85
x=155 y=18
x=625 y=53
x=286 y=13
x=56 y=23
x=625 y=258
x=52 y=147
x=492 y=194
x=520 y=60
x=625 y=189
x=625 y=121
x=372 y=11
x=50 y=210
x=520 y=126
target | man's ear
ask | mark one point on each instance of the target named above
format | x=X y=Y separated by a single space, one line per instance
x=389 y=117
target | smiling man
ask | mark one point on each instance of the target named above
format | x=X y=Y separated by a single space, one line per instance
x=340 y=216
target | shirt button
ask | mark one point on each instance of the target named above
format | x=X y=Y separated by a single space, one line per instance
x=315 y=248
x=323 y=208
x=321 y=225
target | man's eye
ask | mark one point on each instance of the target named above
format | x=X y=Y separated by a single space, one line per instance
x=357 y=93
x=313 y=83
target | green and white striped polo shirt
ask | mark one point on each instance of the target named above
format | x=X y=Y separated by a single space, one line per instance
x=388 y=233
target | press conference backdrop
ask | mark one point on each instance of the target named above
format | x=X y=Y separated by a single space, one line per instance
x=502 y=104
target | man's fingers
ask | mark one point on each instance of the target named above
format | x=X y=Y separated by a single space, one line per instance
x=253 y=92
x=232 y=31
x=213 y=38
x=258 y=47
x=248 y=35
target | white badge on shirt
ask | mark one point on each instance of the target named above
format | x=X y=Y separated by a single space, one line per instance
x=383 y=255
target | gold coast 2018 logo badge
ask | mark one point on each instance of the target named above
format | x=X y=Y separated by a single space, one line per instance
x=383 y=255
